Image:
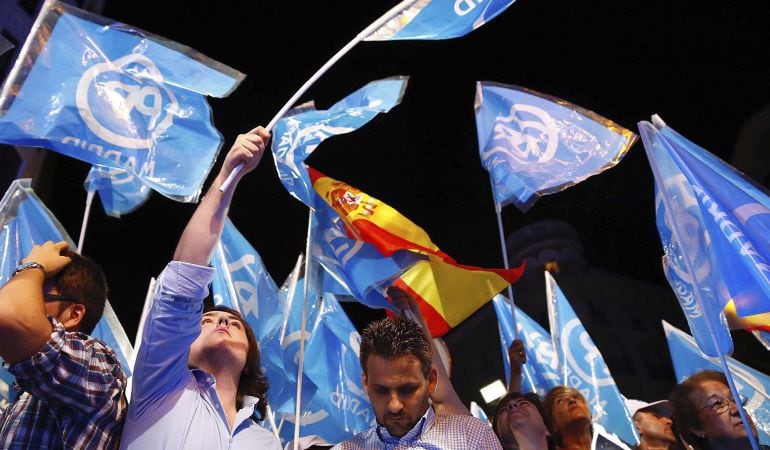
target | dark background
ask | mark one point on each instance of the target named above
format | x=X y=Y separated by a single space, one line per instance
x=703 y=66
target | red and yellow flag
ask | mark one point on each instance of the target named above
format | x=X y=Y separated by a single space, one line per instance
x=756 y=322
x=447 y=292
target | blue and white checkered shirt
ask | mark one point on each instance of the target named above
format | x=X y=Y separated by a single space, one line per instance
x=432 y=432
x=72 y=396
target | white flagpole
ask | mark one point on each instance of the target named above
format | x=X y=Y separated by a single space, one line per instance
x=360 y=37
x=84 y=225
x=498 y=212
x=306 y=290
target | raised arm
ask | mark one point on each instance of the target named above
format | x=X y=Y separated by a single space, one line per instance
x=445 y=399
x=202 y=232
x=24 y=327
x=516 y=358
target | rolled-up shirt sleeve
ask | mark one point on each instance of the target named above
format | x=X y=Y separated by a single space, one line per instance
x=172 y=324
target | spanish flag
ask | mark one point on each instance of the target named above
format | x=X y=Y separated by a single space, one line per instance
x=756 y=322
x=447 y=292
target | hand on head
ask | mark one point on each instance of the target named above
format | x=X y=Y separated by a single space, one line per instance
x=51 y=255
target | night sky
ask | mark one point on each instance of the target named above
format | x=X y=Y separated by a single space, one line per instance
x=703 y=66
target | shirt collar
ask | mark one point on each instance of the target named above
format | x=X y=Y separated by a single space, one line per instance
x=412 y=435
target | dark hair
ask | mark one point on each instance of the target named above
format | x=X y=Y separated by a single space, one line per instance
x=535 y=400
x=253 y=381
x=395 y=337
x=685 y=413
x=84 y=280
x=550 y=400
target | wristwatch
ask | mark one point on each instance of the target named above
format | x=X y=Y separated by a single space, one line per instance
x=28 y=265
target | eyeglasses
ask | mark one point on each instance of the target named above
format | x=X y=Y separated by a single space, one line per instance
x=720 y=405
x=59 y=298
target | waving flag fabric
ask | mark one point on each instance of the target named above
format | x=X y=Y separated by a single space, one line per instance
x=25 y=222
x=698 y=259
x=295 y=137
x=353 y=268
x=533 y=144
x=755 y=385
x=541 y=371
x=113 y=95
x=439 y=19
x=583 y=368
x=735 y=214
x=334 y=405
x=447 y=292
x=763 y=337
x=119 y=191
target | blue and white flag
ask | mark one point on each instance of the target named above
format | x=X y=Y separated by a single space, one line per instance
x=735 y=212
x=295 y=137
x=541 y=372
x=439 y=19
x=25 y=222
x=693 y=261
x=119 y=191
x=583 y=368
x=353 y=268
x=110 y=94
x=533 y=144
x=332 y=365
x=755 y=385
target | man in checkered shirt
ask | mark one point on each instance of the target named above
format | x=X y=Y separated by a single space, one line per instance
x=398 y=378
x=72 y=386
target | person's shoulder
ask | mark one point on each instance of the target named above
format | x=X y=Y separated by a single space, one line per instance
x=462 y=419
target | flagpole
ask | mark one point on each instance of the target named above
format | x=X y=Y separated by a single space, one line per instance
x=360 y=37
x=306 y=289
x=86 y=214
x=271 y=419
x=498 y=213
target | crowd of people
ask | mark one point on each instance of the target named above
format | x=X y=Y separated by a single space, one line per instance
x=197 y=382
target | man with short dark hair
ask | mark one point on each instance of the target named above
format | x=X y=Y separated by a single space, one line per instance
x=72 y=385
x=398 y=378
x=654 y=424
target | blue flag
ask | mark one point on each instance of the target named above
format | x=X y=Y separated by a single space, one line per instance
x=755 y=385
x=583 y=368
x=541 y=372
x=119 y=191
x=736 y=214
x=333 y=404
x=110 y=94
x=532 y=144
x=350 y=267
x=478 y=412
x=25 y=222
x=295 y=137
x=692 y=262
x=439 y=19
x=354 y=268
x=331 y=364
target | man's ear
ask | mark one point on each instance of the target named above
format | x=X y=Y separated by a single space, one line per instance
x=366 y=383
x=71 y=316
x=432 y=380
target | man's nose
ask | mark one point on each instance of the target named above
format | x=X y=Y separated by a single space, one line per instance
x=395 y=405
x=222 y=321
